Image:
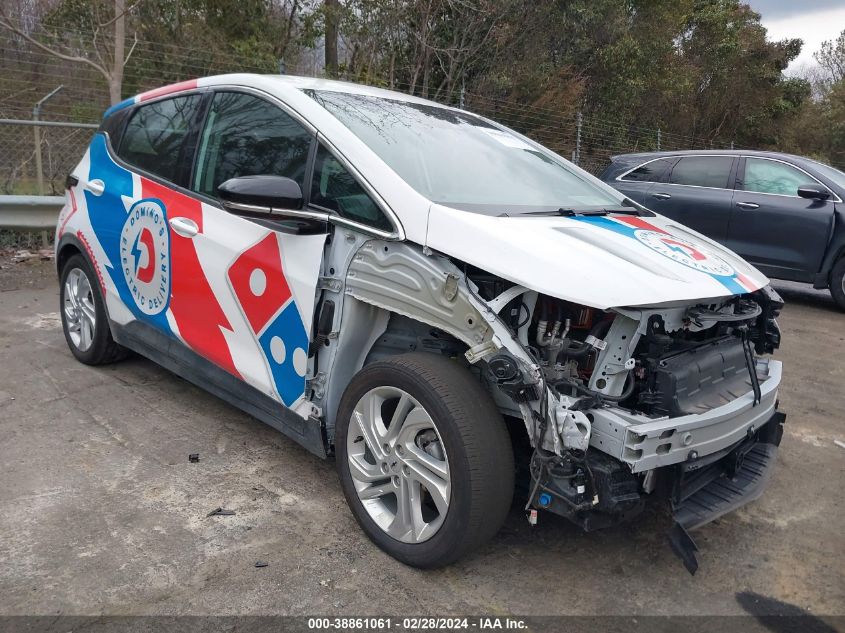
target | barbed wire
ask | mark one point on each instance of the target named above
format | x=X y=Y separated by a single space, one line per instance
x=27 y=73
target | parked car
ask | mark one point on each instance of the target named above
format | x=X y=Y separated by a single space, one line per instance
x=441 y=304
x=782 y=213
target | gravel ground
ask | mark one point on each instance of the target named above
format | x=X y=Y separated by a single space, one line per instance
x=103 y=513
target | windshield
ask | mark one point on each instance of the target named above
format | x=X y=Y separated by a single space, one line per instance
x=831 y=173
x=457 y=159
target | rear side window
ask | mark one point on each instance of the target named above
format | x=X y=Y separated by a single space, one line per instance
x=650 y=172
x=702 y=171
x=769 y=176
x=248 y=136
x=334 y=188
x=153 y=138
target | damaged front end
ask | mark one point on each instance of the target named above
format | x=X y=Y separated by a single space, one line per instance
x=672 y=404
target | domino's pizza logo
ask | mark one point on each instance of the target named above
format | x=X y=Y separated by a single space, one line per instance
x=685 y=252
x=145 y=255
x=258 y=279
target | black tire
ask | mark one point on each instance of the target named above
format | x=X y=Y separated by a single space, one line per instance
x=103 y=349
x=837 y=282
x=476 y=442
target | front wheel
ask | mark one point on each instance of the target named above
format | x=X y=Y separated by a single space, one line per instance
x=424 y=458
x=837 y=282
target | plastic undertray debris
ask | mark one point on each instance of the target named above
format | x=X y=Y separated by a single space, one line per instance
x=720 y=496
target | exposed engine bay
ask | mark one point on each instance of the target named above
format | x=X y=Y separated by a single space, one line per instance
x=609 y=408
x=629 y=397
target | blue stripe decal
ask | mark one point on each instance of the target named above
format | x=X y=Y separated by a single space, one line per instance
x=119 y=106
x=731 y=284
x=108 y=215
x=728 y=281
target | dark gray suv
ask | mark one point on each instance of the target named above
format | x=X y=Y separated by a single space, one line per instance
x=783 y=213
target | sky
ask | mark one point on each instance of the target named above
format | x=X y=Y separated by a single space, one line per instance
x=814 y=21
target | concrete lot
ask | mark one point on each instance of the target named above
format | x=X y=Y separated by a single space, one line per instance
x=102 y=513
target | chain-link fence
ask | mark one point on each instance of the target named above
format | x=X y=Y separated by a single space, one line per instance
x=588 y=141
x=37 y=156
x=31 y=77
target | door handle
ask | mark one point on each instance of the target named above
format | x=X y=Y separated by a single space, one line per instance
x=96 y=186
x=747 y=205
x=661 y=196
x=184 y=226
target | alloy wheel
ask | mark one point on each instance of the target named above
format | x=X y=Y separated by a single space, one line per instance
x=398 y=464
x=79 y=312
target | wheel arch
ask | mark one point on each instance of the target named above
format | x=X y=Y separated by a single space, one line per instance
x=68 y=246
x=399 y=299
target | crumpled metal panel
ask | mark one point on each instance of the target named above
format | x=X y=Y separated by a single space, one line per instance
x=428 y=288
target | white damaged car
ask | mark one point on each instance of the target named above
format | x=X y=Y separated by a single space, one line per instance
x=451 y=310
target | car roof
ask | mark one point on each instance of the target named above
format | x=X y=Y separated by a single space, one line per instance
x=333 y=85
x=644 y=156
x=625 y=162
x=278 y=84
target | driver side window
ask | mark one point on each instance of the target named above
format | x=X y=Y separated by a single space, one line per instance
x=245 y=135
x=769 y=176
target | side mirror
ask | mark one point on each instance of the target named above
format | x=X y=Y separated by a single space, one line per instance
x=813 y=192
x=260 y=194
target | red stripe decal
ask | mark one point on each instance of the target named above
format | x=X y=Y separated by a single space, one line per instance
x=93 y=259
x=638 y=223
x=72 y=211
x=745 y=281
x=192 y=302
x=166 y=90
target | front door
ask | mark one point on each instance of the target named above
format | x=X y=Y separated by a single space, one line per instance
x=263 y=279
x=772 y=227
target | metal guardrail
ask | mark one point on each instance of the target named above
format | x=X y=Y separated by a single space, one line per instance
x=30 y=213
x=67 y=124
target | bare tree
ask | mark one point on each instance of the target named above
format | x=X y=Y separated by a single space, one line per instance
x=108 y=43
x=831 y=58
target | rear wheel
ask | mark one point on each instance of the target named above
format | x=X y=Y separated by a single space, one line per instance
x=837 y=282
x=83 y=313
x=424 y=458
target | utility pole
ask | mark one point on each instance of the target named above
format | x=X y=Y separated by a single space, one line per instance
x=36 y=116
x=579 y=120
x=39 y=175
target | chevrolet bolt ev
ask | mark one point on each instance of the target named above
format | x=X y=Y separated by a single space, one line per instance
x=443 y=305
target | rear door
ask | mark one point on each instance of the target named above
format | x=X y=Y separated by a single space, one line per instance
x=131 y=215
x=771 y=226
x=697 y=193
x=636 y=183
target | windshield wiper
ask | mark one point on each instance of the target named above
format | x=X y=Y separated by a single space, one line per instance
x=569 y=213
x=626 y=207
x=572 y=212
